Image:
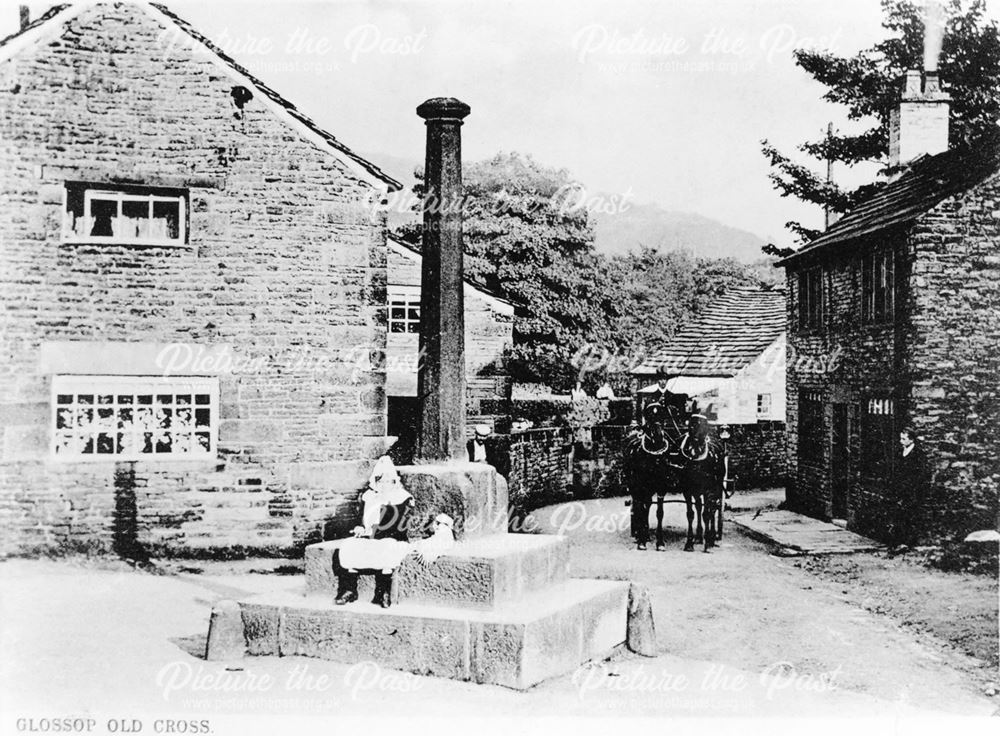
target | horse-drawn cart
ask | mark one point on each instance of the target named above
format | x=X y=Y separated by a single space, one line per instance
x=674 y=452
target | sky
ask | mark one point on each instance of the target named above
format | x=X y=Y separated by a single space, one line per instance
x=651 y=101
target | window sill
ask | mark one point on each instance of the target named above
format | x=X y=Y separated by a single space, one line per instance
x=202 y=462
x=136 y=243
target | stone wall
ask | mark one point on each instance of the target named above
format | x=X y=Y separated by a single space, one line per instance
x=845 y=362
x=546 y=466
x=953 y=364
x=285 y=269
x=936 y=361
x=758 y=454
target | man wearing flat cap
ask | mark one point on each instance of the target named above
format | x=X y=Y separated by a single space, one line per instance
x=477 y=445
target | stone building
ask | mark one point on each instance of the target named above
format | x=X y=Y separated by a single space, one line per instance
x=894 y=320
x=489 y=334
x=190 y=271
x=730 y=362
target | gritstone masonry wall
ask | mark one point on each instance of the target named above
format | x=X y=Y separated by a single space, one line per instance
x=938 y=360
x=285 y=265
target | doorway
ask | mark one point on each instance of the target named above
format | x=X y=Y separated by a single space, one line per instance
x=840 y=461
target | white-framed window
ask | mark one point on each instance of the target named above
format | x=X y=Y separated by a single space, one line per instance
x=104 y=213
x=763 y=403
x=404 y=313
x=134 y=417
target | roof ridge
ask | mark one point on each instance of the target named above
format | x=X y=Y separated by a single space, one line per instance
x=40 y=20
x=925 y=183
x=275 y=98
x=474 y=284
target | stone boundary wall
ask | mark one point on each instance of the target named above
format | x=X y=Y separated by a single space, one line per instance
x=554 y=465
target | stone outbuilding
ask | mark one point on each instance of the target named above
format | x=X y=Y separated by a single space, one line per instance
x=894 y=320
x=730 y=362
x=489 y=335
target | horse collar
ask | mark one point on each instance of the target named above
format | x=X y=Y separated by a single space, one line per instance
x=645 y=449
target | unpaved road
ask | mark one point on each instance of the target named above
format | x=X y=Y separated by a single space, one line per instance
x=740 y=633
x=742 y=606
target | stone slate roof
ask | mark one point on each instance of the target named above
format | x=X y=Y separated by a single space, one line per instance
x=258 y=85
x=729 y=335
x=925 y=184
x=473 y=284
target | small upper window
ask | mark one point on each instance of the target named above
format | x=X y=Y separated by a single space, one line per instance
x=763 y=403
x=811 y=299
x=878 y=286
x=104 y=213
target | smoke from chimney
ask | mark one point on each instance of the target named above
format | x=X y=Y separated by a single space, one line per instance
x=933 y=33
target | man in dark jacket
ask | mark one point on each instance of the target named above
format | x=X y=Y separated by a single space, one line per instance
x=912 y=478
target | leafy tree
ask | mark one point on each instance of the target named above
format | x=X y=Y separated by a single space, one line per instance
x=523 y=240
x=656 y=296
x=526 y=240
x=715 y=276
x=868 y=83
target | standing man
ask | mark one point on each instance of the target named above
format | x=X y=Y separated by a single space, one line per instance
x=911 y=480
x=477 y=445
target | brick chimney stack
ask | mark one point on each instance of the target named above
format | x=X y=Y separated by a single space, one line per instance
x=919 y=125
x=25 y=16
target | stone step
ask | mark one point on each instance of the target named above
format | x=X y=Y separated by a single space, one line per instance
x=518 y=644
x=483 y=572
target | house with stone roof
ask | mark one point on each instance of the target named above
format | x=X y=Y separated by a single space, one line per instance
x=894 y=320
x=194 y=277
x=730 y=359
x=729 y=363
x=489 y=335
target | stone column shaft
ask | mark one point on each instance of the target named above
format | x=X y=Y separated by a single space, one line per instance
x=441 y=376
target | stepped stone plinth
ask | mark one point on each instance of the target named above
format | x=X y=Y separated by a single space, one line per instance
x=516 y=644
x=497 y=608
x=478 y=573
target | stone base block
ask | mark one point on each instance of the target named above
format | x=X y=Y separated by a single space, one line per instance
x=473 y=494
x=516 y=645
x=481 y=573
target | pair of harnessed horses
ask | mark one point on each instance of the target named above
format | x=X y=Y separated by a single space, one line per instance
x=673 y=453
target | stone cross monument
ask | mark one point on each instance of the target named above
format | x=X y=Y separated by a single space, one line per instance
x=497 y=608
x=441 y=377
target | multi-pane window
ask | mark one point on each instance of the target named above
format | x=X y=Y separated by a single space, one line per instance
x=133 y=418
x=103 y=213
x=811 y=299
x=404 y=313
x=877 y=286
x=878 y=440
x=763 y=403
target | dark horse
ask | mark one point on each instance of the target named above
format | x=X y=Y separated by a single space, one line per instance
x=653 y=465
x=703 y=477
x=662 y=458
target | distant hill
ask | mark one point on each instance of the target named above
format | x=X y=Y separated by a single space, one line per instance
x=653 y=226
x=637 y=225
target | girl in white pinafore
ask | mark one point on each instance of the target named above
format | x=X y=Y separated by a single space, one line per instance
x=381 y=542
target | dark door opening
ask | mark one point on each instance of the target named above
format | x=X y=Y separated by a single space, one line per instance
x=402 y=419
x=840 y=461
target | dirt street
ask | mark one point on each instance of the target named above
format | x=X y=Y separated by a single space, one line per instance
x=750 y=609
x=740 y=632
